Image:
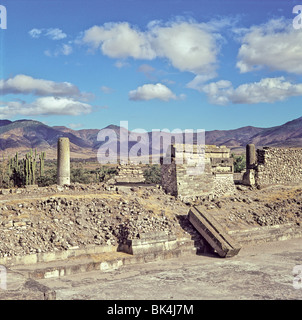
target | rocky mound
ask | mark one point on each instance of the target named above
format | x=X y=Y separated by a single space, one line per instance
x=79 y=217
x=252 y=207
x=58 y=218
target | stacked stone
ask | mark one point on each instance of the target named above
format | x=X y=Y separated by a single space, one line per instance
x=190 y=172
x=261 y=155
x=279 y=166
x=223 y=185
x=130 y=173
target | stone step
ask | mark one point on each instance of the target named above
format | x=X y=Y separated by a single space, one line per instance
x=213 y=232
x=254 y=235
x=102 y=261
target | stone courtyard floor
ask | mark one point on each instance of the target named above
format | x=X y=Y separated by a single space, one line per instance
x=260 y=272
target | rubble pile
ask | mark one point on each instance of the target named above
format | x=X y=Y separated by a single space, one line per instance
x=65 y=217
x=265 y=207
x=63 y=222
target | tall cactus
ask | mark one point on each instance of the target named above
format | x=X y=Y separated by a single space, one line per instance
x=26 y=169
x=42 y=158
x=33 y=171
x=21 y=172
x=16 y=173
x=9 y=169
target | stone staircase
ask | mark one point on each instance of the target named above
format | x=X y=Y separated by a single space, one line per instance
x=255 y=235
x=92 y=259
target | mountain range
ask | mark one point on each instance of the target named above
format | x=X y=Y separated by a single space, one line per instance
x=21 y=135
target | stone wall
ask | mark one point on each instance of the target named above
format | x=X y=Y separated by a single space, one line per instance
x=278 y=166
x=196 y=173
x=130 y=173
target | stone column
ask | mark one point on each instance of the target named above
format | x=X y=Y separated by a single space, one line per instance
x=63 y=162
x=250 y=156
x=251 y=162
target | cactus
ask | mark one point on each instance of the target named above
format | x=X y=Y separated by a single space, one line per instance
x=16 y=174
x=42 y=157
x=21 y=172
x=26 y=169
x=33 y=171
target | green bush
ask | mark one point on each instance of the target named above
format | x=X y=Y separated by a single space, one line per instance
x=239 y=162
x=152 y=174
x=49 y=178
x=104 y=173
x=79 y=175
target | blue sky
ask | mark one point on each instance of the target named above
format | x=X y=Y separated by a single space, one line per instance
x=188 y=64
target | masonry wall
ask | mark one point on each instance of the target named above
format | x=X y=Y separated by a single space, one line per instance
x=185 y=178
x=130 y=173
x=278 y=166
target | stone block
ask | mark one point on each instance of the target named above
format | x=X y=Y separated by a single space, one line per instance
x=149 y=243
x=213 y=232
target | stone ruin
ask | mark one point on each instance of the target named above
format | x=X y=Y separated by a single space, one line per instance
x=264 y=167
x=273 y=166
x=129 y=173
x=188 y=180
x=183 y=177
x=188 y=172
x=73 y=227
x=63 y=162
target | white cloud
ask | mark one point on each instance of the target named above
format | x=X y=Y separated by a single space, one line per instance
x=64 y=49
x=188 y=46
x=35 y=33
x=119 y=40
x=44 y=106
x=267 y=90
x=23 y=84
x=198 y=82
x=218 y=92
x=152 y=91
x=55 y=34
x=106 y=89
x=51 y=33
x=275 y=45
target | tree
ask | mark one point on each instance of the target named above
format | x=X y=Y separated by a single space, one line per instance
x=239 y=162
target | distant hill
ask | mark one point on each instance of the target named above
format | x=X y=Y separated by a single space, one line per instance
x=286 y=135
x=21 y=135
x=232 y=138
